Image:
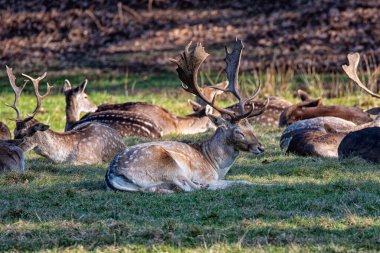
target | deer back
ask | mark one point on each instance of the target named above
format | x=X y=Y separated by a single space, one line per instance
x=125 y=122
x=364 y=143
x=314 y=124
x=312 y=109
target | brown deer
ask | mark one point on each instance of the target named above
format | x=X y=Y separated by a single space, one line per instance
x=76 y=102
x=312 y=108
x=364 y=143
x=169 y=166
x=89 y=144
x=144 y=119
x=5 y=134
x=11 y=156
x=322 y=136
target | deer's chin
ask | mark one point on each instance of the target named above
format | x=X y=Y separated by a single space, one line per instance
x=256 y=150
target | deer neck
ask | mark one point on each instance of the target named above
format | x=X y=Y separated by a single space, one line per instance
x=219 y=152
x=72 y=114
x=192 y=124
x=52 y=145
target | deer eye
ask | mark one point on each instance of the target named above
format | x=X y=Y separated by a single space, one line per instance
x=239 y=134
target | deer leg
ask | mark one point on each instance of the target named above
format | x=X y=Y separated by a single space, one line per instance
x=223 y=184
x=186 y=184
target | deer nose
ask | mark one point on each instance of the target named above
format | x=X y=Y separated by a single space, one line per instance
x=261 y=148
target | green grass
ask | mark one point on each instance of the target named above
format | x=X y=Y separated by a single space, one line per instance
x=315 y=205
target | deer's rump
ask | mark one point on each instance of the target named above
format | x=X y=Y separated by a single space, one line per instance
x=364 y=143
x=126 y=123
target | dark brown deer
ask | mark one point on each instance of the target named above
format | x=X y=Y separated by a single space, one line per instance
x=169 y=166
x=364 y=143
x=313 y=108
x=5 y=134
x=89 y=144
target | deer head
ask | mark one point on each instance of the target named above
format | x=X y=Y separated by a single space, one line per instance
x=77 y=101
x=28 y=127
x=235 y=128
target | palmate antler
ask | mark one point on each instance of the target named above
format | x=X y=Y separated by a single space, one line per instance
x=351 y=71
x=36 y=82
x=17 y=90
x=188 y=67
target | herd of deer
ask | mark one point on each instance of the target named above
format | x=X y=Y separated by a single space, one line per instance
x=168 y=166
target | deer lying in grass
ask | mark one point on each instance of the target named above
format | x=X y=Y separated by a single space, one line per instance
x=169 y=166
x=364 y=143
x=5 y=134
x=313 y=108
x=271 y=115
x=136 y=118
x=11 y=156
x=89 y=144
x=322 y=136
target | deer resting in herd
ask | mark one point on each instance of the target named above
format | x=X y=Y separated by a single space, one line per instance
x=364 y=143
x=89 y=144
x=312 y=108
x=133 y=118
x=168 y=166
x=322 y=136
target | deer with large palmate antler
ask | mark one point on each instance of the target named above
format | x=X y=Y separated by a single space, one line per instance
x=134 y=118
x=89 y=144
x=170 y=166
x=364 y=143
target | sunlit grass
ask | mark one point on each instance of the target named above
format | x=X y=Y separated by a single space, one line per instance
x=314 y=205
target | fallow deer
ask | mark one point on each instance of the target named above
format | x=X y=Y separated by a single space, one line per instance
x=11 y=156
x=145 y=119
x=364 y=143
x=76 y=102
x=89 y=144
x=322 y=136
x=312 y=108
x=169 y=166
x=5 y=134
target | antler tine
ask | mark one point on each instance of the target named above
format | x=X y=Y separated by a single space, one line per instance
x=351 y=71
x=17 y=90
x=187 y=69
x=36 y=82
x=232 y=69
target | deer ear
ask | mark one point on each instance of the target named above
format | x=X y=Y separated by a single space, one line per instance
x=66 y=86
x=304 y=96
x=82 y=87
x=329 y=128
x=218 y=121
x=222 y=85
x=312 y=103
x=196 y=107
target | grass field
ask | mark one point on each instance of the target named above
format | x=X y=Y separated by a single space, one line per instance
x=315 y=205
